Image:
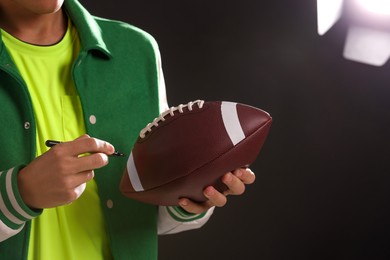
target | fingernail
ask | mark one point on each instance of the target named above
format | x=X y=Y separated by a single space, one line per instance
x=250 y=171
x=209 y=191
x=228 y=177
x=183 y=203
x=111 y=147
x=105 y=158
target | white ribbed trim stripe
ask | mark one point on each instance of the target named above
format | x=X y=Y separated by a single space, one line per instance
x=6 y=212
x=11 y=196
x=6 y=232
x=178 y=215
x=133 y=174
x=162 y=95
x=167 y=224
x=231 y=122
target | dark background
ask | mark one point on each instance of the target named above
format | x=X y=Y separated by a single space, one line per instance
x=322 y=188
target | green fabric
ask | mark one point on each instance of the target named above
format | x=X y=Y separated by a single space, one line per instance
x=116 y=77
x=59 y=233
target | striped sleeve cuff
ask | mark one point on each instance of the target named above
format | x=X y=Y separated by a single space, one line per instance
x=179 y=214
x=13 y=211
x=173 y=220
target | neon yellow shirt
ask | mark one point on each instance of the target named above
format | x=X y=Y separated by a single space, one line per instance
x=75 y=231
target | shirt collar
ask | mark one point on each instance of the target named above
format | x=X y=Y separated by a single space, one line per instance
x=90 y=33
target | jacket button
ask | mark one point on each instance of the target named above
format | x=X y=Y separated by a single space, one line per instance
x=110 y=204
x=27 y=125
x=92 y=119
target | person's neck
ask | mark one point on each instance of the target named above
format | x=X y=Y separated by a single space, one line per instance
x=35 y=29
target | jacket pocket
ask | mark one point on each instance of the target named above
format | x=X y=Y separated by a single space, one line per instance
x=72 y=117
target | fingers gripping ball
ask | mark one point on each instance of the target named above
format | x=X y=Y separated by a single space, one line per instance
x=190 y=147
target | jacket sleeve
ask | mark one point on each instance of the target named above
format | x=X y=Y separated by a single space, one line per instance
x=175 y=219
x=14 y=213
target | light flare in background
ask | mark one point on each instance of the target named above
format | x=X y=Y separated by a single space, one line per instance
x=368 y=37
x=328 y=13
x=375 y=6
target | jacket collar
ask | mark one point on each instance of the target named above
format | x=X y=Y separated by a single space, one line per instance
x=90 y=33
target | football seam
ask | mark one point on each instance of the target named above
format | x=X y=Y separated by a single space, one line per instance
x=171 y=120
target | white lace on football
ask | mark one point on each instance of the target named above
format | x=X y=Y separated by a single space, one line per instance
x=170 y=111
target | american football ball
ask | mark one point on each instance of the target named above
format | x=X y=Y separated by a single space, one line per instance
x=190 y=147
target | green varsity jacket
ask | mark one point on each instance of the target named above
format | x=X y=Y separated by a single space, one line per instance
x=117 y=75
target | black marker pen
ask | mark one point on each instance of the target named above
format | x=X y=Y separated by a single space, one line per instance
x=51 y=143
